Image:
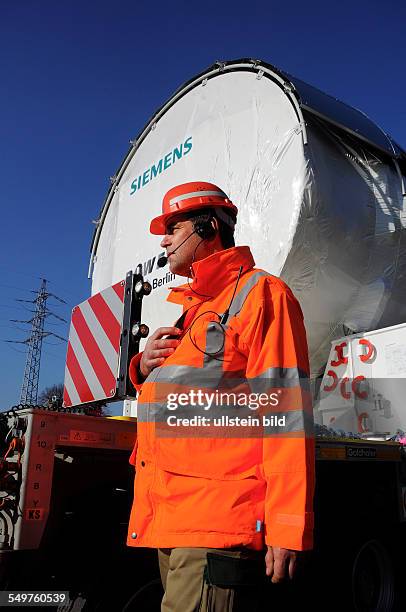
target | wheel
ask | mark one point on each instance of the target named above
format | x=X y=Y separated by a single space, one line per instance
x=373 y=583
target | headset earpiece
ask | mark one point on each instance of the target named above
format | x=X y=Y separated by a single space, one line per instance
x=205 y=230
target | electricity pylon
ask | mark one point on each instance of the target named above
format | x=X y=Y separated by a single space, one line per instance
x=29 y=389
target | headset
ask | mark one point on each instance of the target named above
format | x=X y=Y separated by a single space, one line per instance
x=205 y=230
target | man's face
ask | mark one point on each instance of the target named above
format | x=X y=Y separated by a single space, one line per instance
x=193 y=249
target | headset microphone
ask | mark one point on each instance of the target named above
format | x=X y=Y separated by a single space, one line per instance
x=162 y=261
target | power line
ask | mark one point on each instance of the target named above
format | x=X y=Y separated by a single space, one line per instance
x=22 y=329
x=14 y=307
x=22 y=273
x=36 y=278
x=16 y=350
x=29 y=389
x=14 y=287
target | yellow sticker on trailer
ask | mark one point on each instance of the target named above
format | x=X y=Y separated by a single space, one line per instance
x=332 y=452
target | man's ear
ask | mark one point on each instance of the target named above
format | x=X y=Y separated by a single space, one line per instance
x=217 y=236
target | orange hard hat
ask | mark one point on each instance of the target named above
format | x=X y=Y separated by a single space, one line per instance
x=187 y=197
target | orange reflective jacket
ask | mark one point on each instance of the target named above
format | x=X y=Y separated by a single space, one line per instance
x=226 y=486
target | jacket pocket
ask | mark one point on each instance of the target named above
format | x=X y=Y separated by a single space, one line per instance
x=196 y=505
x=219 y=459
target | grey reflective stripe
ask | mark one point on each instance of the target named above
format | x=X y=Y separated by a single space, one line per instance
x=214 y=351
x=180 y=372
x=283 y=374
x=242 y=294
x=209 y=376
x=279 y=378
x=144 y=410
x=200 y=378
x=196 y=194
x=181 y=375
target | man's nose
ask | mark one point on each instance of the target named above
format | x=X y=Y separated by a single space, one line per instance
x=165 y=241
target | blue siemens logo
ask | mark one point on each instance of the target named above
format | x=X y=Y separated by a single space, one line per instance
x=163 y=164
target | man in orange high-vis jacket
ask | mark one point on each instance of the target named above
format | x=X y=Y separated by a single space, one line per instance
x=217 y=504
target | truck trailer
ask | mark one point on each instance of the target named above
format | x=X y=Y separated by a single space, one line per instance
x=321 y=198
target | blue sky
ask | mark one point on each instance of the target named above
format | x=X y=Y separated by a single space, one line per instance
x=80 y=79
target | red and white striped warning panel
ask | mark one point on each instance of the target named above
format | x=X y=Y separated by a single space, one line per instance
x=92 y=359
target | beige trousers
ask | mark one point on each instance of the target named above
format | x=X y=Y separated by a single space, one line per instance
x=188 y=590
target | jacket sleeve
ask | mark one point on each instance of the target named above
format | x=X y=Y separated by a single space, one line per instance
x=277 y=362
x=137 y=383
x=133 y=372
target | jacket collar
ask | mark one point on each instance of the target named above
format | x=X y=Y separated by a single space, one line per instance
x=212 y=274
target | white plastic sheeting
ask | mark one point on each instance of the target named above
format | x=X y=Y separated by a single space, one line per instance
x=363 y=388
x=347 y=262
x=316 y=205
